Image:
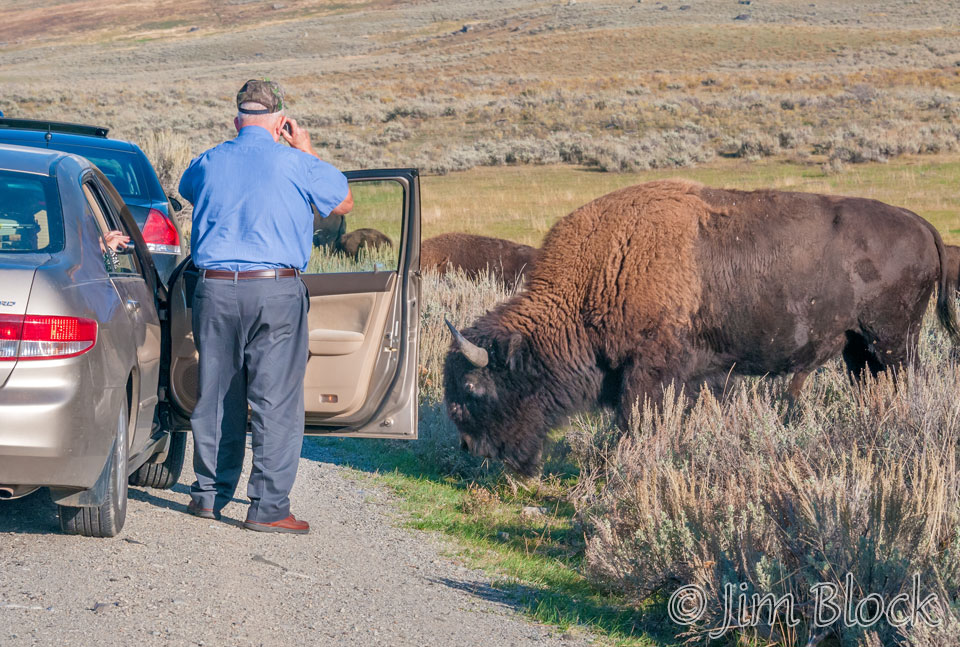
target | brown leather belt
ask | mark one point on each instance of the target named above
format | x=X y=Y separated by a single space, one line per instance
x=281 y=273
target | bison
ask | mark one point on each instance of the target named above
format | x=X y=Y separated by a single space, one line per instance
x=505 y=260
x=327 y=231
x=676 y=281
x=330 y=233
x=365 y=238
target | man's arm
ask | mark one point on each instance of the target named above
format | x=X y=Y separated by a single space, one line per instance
x=344 y=207
x=185 y=188
x=299 y=138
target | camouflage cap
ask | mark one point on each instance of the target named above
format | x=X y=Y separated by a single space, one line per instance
x=263 y=91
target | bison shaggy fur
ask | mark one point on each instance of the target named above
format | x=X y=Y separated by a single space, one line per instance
x=672 y=281
x=474 y=255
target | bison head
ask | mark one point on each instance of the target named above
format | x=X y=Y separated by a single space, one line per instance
x=493 y=391
x=328 y=231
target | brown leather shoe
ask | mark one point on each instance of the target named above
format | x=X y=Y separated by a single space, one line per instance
x=204 y=513
x=289 y=525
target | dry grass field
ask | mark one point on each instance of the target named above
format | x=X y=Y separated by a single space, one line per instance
x=517 y=111
x=613 y=85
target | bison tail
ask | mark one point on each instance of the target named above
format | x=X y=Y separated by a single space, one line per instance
x=946 y=305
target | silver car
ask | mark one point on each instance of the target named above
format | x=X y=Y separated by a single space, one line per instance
x=80 y=344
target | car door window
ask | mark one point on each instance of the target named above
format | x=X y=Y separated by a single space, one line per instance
x=114 y=263
x=365 y=240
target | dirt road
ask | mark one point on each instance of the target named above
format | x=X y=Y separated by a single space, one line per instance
x=172 y=579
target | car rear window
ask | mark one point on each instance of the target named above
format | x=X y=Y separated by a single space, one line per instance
x=120 y=167
x=30 y=216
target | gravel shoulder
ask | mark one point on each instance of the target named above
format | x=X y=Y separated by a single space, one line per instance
x=356 y=579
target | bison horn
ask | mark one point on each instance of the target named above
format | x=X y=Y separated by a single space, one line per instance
x=474 y=354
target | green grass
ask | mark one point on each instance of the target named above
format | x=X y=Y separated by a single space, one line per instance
x=535 y=560
x=162 y=24
x=522 y=202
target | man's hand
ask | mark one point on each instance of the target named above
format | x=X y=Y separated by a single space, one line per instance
x=298 y=137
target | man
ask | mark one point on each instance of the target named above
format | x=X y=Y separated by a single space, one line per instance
x=251 y=237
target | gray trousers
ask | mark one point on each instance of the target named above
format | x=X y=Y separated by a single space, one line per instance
x=252 y=338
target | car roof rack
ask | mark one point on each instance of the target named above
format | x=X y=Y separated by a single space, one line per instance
x=53 y=127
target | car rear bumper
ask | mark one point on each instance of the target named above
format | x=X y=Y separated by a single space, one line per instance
x=51 y=431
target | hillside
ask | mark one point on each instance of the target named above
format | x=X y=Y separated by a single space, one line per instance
x=449 y=85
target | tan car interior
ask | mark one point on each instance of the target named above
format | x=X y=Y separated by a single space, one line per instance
x=349 y=311
x=346 y=337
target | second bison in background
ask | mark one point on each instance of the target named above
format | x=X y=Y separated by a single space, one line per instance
x=362 y=239
x=330 y=233
x=674 y=281
x=474 y=255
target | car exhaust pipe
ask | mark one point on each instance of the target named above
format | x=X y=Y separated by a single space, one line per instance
x=8 y=492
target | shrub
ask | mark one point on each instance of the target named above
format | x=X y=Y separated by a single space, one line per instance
x=170 y=154
x=754 y=145
x=864 y=481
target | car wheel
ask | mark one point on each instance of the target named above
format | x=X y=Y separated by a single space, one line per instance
x=105 y=520
x=166 y=474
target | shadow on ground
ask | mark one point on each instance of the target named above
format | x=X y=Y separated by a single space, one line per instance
x=34 y=514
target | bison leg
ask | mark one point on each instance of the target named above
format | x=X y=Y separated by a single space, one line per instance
x=639 y=385
x=858 y=357
x=796 y=385
x=886 y=352
x=793 y=393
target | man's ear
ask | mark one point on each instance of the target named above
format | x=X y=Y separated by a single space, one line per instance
x=236 y=123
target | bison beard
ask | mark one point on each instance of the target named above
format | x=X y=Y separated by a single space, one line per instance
x=674 y=281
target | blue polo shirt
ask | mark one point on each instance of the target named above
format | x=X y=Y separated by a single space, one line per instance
x=251 y=202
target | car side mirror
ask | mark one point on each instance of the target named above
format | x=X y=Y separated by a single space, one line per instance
x=176 y=204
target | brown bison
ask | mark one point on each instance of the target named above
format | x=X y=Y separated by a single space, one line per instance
x=675 y=281
x=505 y=260
x=331 y=234
x=327 y=231
x=365 y=238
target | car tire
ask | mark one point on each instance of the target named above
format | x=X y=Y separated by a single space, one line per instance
x=163 y=475
x=105 y=520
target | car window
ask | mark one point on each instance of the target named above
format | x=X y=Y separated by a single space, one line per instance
x=114 y=263
x=120 y=167
x=30 y=217
x=365 y=240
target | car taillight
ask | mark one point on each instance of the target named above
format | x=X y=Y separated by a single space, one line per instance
x=45 y=337
x=160 y=234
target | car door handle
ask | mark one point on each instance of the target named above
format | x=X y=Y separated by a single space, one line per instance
x=133 y=306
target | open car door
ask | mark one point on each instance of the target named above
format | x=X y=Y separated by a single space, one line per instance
x=364 y=285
